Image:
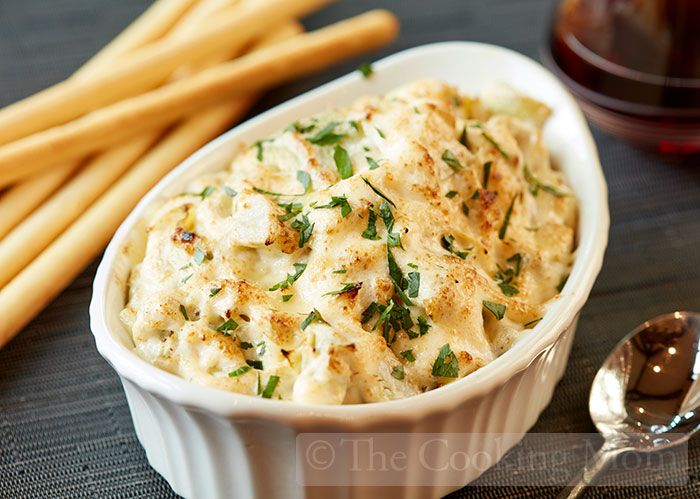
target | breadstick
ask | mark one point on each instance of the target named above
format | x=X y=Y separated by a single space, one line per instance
x=158 y=19
x=259 y=70
x=47 y=222
x=55 y=268
x=148 y=67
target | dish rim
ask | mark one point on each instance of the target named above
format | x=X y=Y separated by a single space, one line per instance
x=587 y=264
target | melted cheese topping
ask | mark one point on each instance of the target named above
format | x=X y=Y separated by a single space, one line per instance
x=366 y=254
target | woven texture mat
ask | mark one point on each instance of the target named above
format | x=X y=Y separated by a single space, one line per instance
x=65 y=429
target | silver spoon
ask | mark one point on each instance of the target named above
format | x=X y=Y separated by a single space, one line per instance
x=645 y=396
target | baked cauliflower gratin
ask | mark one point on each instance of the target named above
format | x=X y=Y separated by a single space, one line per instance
x=364 y=254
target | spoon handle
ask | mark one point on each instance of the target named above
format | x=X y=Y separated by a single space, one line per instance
x=600 y=461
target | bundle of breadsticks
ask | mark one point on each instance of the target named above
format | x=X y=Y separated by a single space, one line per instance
x=77 y=157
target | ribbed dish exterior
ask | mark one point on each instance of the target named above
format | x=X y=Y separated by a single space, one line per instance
x=204 y=455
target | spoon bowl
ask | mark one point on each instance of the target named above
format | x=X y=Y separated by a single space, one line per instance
x=646 y=395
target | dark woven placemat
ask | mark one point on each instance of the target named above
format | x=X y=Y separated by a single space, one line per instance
x=65 y=429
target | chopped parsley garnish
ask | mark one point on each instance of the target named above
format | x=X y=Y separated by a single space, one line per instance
x=227 y=327
x=446 y=364
x=340 y=271
x=255 y=364
x=342 y=162
x=413 y=280
x=381 y=134
x=260 y=348
x=397 y=276
x=464 y=138
x=493 y=142
x=270 y=387
x=476 y=194
x=369 y=312
x=447 y=242
x=355 y=125
x=451 y=160
x=246 y=345
x=487 y=174
x=214 y=291
x=297 y=127
x=504 y=228
x=272 y=193
x=532 y=322
x=305 y=229
x=562 y=283
x=397 y=372
x=291 y=210
x=325 y=136
x=423 y=325
x=451 y=194
x=305 y=179
x=387 y=216
x=535 y=185
x=378 y=192
x=238 y=372
x=412 y=265
x=291 y=278
x=341 y=201
x=259 y=147
x=200 y=256
x=230 y=191
x=393 y=240
x=408 y=355
x=366 y=69
x=348 y=287
x=504 y=277
x=207 y=191
x=315 y=315
x=286 y=298
x=497 y=309
x=373 y=165
x=183 y=311
x=371 y=231
x=384 y=315
x=465 y=209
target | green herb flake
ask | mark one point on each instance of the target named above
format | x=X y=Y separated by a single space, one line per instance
x=270 y=387
x=532 y=322
x=200 y=256
x=259 y=146
x=299 y=269
x=183 y=311
x=535 y=185
x=245 y=345
x=348 y=287
x=207 y=191
x=397 y=372
x=369 y=312
x=386 y=216
x=413 y=280
x=371 y=231
x=325 y=136
x=378 y=192
x=340 y=271
x=342 y=162
x=305 y=229
x=516 y=259
x=504 y=228
x=447 y=242
x=305 y=179
x=227 y=327
x=451 y=194
x=408 y=355
x=286 y=298
x=497 y=309
x=495 y=144
x=487 y=174
x=412 y=265
x=373 y=165
x=384 y=316
x=446 y=364
x=291 y=210
x=231 y=192
x=272 y=193
x=423 y=325
x=464 y=138
x=335 y=201
x=240 y=371
x=508 y=289
x=366 y=69
x=214 y=291
x=381 y=134
x=451 y=160
x=465 y=209
x=393 y=240
x=255 y=364
x=314 y=315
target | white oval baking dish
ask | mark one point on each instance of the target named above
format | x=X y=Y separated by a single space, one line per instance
x=209 y=443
